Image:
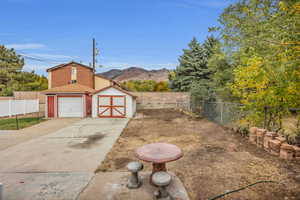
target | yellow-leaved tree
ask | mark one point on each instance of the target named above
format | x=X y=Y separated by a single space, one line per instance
x=265 y=49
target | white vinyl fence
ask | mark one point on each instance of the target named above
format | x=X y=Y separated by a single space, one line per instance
x=17 y=107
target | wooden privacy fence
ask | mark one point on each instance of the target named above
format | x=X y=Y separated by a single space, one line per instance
x=157 y=100
x=17 y=107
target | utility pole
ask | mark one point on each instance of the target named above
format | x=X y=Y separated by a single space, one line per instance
x=94 y=62
x=94 y=54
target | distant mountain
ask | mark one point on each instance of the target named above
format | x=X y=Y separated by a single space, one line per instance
x=136 y=73
x=112 y=73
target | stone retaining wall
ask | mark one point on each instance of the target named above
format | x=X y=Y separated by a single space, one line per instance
x=273 y=143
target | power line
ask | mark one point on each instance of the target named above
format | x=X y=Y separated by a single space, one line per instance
x=40 y=59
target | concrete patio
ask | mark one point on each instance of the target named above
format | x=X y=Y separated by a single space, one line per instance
x=112 y=186
x=58 y=165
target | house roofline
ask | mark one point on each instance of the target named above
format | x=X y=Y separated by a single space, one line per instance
x=50 y=93
x=100 y=76
x=63 y=65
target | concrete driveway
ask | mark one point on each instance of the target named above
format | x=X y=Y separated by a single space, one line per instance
x=58 y=165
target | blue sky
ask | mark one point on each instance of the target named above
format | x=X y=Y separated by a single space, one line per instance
x=145 y=33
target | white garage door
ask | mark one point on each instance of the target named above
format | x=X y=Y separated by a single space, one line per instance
x=70 y=107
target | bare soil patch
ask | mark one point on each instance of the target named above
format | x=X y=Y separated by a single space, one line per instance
x=215 y=159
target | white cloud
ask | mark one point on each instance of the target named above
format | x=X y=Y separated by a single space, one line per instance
x=25 y=46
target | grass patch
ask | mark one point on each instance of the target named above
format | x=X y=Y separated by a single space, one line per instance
x=11 y=124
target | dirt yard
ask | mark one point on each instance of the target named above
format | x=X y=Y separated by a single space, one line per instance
x=215 y=159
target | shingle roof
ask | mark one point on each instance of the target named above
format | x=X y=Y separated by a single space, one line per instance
x=116 y=87
x=72 y=62
x=70 y=88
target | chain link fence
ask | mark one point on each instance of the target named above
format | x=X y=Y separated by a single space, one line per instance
x=223 y=113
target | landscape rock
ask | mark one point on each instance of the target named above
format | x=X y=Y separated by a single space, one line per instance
x=260 y=134
x=297 y=152
x=281 y=139
x=232 y=147
x=274 y=147
x=287 y=151
x=252 y=135
x=297 y=178
x=252 y=130
x=267 y=138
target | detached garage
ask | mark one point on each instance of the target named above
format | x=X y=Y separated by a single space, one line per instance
x=72 y=100
x=113 y=102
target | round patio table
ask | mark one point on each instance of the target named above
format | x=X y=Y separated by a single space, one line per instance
x=158 y=154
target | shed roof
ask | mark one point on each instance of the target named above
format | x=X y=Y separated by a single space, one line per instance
x=70 y=88
x=117 y=88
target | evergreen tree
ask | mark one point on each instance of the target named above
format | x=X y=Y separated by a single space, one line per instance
x=10 y=63
x=222 y=73
x=193 y=72
x=13 y=79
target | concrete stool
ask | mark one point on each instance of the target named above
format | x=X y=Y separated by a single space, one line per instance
x=162 y=180
x=134 y=168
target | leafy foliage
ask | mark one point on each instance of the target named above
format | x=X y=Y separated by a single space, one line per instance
x=146 y=86
x=262 y=40
x=13 y=79
x=256 y=62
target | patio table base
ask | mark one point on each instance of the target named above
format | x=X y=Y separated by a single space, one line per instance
x=156 y=168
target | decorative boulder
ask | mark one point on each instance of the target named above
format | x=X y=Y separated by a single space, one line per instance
x=252 y=135
x=287 y=151
x=274 y=147
x=297 y=152
x=260 y=134
x=268 y=136
x=281 y=139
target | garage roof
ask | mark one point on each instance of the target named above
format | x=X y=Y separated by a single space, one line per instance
x=70 y=88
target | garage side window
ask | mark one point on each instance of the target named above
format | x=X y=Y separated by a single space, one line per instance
x=74 y=75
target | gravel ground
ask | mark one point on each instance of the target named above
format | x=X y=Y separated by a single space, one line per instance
x=215 y=159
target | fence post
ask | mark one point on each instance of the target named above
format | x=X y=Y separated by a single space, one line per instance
x=24 y=107
x=38 y=108
x=17 y=122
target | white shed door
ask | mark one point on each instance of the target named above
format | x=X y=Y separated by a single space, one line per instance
x=70 y=107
